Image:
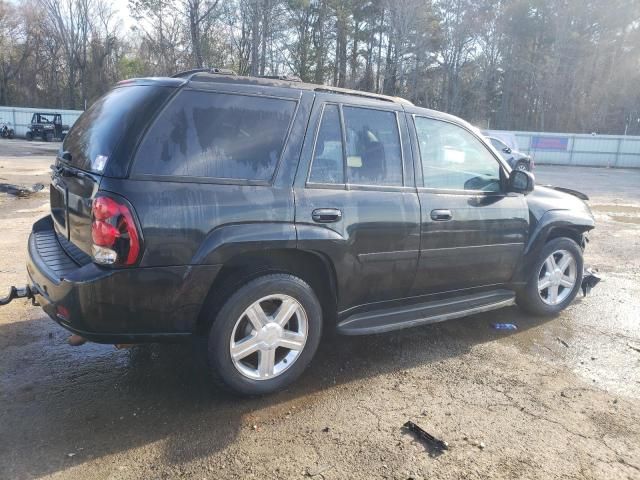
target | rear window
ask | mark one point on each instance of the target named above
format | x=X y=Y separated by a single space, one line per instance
x=95 y=136
x=217 y=135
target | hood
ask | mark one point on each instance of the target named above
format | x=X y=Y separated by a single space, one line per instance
x=545 y=198
x=519 y=154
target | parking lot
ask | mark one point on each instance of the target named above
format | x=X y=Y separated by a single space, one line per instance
x=558 y=398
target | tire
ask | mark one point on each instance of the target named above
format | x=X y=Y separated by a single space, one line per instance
x=232 y=326
x=522 y=166
x=29 y=136
x=541 y=302
x=47 y=137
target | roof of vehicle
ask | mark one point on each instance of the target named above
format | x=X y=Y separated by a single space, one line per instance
x=281 y=81
x=224 y=76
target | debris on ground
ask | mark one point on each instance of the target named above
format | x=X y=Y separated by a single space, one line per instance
x=19 y=190
x=633 y=347
x=562 y=342
x=317 y=470
x=433 y=444
x=589 y=280
x=504 y=326
x=76 y=340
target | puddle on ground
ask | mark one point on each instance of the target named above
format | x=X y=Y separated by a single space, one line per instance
x=597 y=337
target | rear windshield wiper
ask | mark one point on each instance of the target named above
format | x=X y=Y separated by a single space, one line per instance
x=64 y=170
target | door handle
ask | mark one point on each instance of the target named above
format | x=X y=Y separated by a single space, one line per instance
x=326 y=215
x=441 y=215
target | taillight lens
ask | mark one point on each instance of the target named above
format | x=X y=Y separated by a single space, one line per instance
x=114 y=232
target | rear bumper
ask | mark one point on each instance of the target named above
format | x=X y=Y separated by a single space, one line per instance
x=144 y=304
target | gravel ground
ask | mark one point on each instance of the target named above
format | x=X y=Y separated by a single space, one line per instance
x=558 y=399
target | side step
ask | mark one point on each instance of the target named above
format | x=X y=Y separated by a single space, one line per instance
x=388 y=319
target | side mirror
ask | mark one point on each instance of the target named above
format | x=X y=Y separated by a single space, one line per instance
x=506 y=150
x=521 y=181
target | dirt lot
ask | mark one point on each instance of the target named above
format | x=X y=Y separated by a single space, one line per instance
x=559 y=398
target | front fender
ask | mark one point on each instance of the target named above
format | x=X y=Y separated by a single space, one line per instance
x=571 y=223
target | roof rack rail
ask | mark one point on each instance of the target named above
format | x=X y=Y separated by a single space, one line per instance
x=288 y=78
x=357 y=93
x=219 y=71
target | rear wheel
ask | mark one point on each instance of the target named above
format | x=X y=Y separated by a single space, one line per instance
x=555 y=279
x=265 y=334
x=522 y=166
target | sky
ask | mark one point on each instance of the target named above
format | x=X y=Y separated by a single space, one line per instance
x=122 y=8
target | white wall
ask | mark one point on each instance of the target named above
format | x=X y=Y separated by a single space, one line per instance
x=20 y=118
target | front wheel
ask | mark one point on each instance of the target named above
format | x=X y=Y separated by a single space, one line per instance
x=555 y=279
x=266 y=334
x=29 y=136
x=522 y=166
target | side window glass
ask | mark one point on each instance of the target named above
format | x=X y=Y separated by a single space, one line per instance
x=453 y=159
x=373 y=147
x=217 y=135
x=328 y=165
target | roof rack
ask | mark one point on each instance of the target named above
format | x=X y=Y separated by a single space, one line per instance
x=219 y=71
x=358 y=93
x=287 y=78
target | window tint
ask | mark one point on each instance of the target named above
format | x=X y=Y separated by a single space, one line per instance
x=373 y=147
x=328 y=165
x=217 y=135
x=97 y=132
x=453 y=159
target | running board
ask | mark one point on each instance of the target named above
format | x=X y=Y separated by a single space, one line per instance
x=388 y=319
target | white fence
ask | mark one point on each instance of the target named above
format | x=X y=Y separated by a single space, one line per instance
x=574 y=149
x=19 y=118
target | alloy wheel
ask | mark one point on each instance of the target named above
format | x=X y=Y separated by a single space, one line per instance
x=557 y=277
x=269 y=337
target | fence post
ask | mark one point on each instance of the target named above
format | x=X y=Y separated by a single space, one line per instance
x=573 y=147
x=615 y=164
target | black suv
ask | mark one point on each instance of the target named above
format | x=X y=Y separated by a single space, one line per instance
x=257 y=212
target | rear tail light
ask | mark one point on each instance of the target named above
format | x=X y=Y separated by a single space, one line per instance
x=114 y=232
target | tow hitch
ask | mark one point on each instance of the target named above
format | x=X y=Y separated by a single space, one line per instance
x=25 y=292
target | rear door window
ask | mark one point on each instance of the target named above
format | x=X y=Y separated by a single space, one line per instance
x=217 y=135
x=328 y=166
x=373 y=147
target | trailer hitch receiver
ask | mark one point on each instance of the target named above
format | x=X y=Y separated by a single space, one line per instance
x=24 y=292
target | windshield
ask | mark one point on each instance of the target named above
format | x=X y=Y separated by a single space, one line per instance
x=498 y=144
x=94 y=137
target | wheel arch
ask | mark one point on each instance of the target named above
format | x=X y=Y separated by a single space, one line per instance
x=311 y=266
x=553 y=224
